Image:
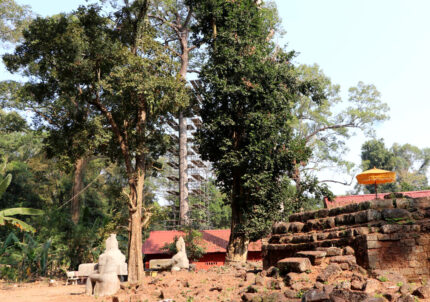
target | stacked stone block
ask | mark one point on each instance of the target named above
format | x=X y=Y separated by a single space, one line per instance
x=386 y=235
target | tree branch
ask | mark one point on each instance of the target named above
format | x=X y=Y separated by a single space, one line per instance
x=172 y=50
x=122 y=142
x=349 y=125
x=338 y=182
x=188 y=18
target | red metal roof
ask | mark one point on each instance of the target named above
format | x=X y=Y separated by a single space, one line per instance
x=340 y=201
x=215 y=241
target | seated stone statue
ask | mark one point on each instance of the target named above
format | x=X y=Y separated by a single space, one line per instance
x=177 y=262
x=180 y=260
x=106 y=281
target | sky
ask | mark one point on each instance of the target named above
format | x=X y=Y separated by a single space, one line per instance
x=383 y=42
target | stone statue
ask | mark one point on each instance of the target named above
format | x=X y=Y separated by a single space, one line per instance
x=111 y=263
x=180 y=260
x=177 y=262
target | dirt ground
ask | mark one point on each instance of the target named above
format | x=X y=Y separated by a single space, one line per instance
x=218 y=284
x=226 y=284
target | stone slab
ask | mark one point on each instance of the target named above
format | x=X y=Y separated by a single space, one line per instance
x=294 y=264
x=331 y=251
x=315 y=257
x=159 y=263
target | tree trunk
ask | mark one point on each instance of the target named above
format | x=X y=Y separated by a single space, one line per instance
x=183 y=164
x=183 y=175
x=80 y=165
x=135 y=259
x=237 y=248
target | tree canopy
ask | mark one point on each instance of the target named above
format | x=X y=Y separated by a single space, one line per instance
x=87 y=70
x=249 y=89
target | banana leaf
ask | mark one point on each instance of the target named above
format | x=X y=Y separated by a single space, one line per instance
x=21 y=211
x=5 y=183
x=16 y=222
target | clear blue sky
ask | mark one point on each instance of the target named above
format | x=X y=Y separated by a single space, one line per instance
x=382 y=42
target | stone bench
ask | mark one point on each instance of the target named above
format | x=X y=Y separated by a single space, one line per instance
x=86 y=269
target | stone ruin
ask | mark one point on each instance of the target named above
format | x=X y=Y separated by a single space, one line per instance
x=389 y=236
x=176 y=263
x=111 y=263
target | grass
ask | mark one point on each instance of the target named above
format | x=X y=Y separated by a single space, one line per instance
x=382 y=278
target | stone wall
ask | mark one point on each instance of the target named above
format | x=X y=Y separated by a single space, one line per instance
x=391 y=235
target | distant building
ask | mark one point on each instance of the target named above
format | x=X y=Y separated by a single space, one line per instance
x=340 y=201
x=215 y=242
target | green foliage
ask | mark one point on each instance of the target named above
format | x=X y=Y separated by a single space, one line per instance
x=13 y=19
x=328 y=124
x=382 y=278
x=22 y=260
x=249 y=91
x=193 y=245
x=4 y=184
x=5 y=215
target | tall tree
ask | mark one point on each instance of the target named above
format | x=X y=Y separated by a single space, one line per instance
x=326 y=126
x=121 y=76
x=175 y=18
x=249 y=88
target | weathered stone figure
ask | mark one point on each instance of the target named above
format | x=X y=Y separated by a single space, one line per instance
x=176 y=263
x=180 y=260
x=106 y=281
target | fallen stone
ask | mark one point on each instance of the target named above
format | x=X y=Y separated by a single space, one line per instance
x=288 y=293
x=318 y=285
x=357 y=285
x=330 y=251
x=344 y=285
x=405 y=289
x=296 y=227
x=259 y=280
x=250 y=278
x=347 y=250
x=395 y=213
x=272 y=297
x=216 y=288
x=280 y=228
x=380 y=204
x=316 y=257
x=328 y=288
x=350 y=259
x=375 y=299
x=301 y=286
x=422 y=292
x=315 y=295
x=391 y=296
x=272 y=271
x=330 y=272
x=247 y=297
x=405 y=298
x=348 y=295
x=372 y=286
x=296 y=264
x=292 y=278
x=391 y=228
